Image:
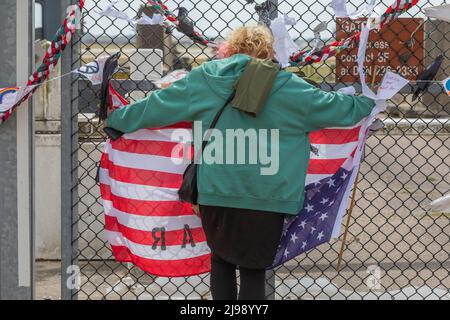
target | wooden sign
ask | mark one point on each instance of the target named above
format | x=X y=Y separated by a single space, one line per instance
x=398 y=47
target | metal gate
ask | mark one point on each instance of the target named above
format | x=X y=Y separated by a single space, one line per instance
x=396 y=248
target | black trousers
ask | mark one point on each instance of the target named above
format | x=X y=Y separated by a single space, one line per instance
x=243 y=237
x=224 y=284
x=240 y=239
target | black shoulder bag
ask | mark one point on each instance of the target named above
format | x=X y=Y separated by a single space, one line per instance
x=188 y=191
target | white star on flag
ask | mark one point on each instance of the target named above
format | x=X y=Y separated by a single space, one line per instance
x=294 y=237
x=330 y=183
x=320 y=235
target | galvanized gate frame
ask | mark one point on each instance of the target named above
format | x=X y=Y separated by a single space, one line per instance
x=70 y=162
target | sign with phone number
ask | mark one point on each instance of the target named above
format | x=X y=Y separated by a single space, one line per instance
x=398 y=47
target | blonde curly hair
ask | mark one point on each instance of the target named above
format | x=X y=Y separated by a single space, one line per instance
x=255 y=41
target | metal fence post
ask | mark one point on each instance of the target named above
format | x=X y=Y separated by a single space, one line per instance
x=270 y=284
x=270 y=274
x=69 y=174
x=16 y=157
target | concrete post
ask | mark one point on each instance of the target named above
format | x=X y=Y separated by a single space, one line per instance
x=16 y=157
x=154 y=37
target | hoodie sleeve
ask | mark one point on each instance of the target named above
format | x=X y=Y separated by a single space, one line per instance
x=331 y=109
x=161 y=108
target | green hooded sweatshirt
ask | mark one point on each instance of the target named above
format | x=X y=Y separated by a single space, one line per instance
x=293 y=109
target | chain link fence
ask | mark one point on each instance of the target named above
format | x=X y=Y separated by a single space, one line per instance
x=396 y=248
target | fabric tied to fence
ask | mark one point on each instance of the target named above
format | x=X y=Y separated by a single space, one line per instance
x=50 y=60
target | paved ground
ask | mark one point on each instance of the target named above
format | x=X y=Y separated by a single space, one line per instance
x=397 y=281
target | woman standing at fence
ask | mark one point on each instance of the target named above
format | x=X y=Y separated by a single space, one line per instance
x=243 y=205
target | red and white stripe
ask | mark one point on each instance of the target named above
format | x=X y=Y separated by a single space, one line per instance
x=335 y=146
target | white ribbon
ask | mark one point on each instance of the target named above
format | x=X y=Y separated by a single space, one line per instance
x=109 y=11
x=340 y=9
x=157 y=19
x=289 y=21
x=322 y=26
x=391 y=83
x=283 y=45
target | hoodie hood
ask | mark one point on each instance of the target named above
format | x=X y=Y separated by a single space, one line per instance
x=221 y=75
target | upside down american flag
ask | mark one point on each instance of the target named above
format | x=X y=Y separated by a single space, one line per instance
x=147 y=225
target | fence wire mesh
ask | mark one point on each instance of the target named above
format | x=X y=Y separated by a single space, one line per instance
x=396 y=248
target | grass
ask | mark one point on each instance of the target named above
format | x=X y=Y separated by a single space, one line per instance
x=319 y=72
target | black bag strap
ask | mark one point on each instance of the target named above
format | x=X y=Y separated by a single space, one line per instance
x=214 y=122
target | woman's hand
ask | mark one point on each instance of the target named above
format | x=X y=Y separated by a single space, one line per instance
x=109 y=111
